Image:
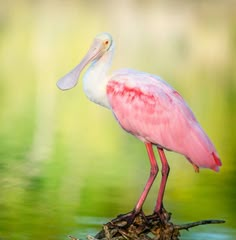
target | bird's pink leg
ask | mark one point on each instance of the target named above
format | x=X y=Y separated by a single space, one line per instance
x=165 y=172
x=153 y=174
x=129 y=217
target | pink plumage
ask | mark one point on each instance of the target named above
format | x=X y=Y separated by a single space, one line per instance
x=154 y=112
x=150 y=109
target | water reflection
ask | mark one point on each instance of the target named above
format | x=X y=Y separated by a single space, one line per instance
x=65 y=165
x=227 y=235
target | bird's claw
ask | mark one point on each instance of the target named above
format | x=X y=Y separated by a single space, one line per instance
x=162 y=216
x=127 y=219
x=123 y=220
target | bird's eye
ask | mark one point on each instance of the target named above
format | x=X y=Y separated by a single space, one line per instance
x=106 y=42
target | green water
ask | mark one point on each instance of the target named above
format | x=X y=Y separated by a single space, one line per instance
x=66 y=167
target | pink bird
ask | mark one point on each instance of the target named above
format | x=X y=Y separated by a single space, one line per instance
x=148 y=108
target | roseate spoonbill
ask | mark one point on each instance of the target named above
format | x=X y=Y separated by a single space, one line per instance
x=148 y=108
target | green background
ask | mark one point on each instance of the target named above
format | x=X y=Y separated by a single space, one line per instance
x=65 y=164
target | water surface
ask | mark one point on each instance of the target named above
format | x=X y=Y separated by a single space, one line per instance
x=66 y=167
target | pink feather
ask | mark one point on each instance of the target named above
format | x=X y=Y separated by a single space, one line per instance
x=150 y=109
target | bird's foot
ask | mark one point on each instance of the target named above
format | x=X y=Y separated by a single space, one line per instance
x=125 y=220
x=160 y=225
x=162 y=216
x=122 y=224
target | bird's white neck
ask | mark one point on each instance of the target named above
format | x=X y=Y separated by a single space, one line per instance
x=95 y=79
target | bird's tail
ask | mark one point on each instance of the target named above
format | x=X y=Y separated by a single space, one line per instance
x=217 y=161
x=201 y=151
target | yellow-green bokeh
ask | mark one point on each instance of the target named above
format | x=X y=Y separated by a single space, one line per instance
x=63 y=157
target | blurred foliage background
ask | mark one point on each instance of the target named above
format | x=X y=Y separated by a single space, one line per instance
x=65 y=164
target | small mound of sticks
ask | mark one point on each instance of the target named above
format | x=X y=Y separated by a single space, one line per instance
x=145 y=228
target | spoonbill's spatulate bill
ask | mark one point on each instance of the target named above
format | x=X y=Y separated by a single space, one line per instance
x=148 y=108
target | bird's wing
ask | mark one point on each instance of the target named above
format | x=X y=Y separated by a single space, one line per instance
x=149 y=108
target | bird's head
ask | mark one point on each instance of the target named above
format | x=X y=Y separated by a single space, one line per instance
x=101 y=44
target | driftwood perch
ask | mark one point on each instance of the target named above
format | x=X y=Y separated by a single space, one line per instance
x=145 y=228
